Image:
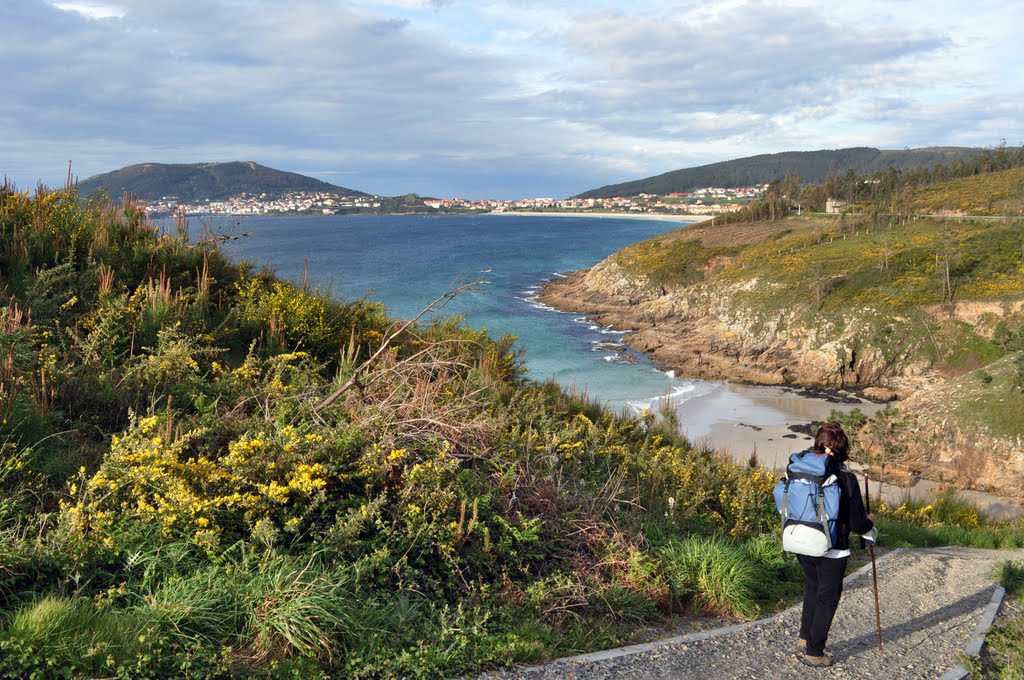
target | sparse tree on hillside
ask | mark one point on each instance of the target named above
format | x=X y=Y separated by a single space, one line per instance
x=818 y=278
x=790 y=186
x=773 y=196
x=850 y=182
x=948 y=246
x=833 y=186
x=812 y=196
x=902 y=202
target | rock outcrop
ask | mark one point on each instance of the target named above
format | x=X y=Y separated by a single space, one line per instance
x=707 y=331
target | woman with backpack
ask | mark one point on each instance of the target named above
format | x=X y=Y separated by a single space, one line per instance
x=823 y=576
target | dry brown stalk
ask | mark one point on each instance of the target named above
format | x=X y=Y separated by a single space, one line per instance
x=106 y=275
x=454 y=289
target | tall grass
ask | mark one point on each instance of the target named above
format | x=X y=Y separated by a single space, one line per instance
x=72 y=636
x=948 y=520
x=714 y=575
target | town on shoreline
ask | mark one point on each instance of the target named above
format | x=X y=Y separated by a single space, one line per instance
x=705 y=201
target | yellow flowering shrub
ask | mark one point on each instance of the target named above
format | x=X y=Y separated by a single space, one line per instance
x=308 y=320
x=154 y=478
x=945 y=509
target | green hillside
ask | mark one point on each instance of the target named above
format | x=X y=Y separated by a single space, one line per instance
x=200 y=181
x=810 y=166
x=994 y=193
x=931 y=307
x=855 y=262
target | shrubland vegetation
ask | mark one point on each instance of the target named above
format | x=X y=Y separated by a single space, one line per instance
x=210 y=472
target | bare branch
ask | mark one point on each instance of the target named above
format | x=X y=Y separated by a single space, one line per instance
x=456 y=287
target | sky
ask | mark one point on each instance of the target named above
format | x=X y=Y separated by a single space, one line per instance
x=494 y=98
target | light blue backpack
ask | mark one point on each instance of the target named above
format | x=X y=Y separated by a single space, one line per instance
x=809 y=504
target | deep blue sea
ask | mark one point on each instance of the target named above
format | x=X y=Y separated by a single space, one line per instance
x=407 y=261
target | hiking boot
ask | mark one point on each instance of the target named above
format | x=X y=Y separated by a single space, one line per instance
x=822 y=661
x=801 y=644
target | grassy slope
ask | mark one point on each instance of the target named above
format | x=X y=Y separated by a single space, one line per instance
x=843 y=260
x=170 y=471
x=905 y=305
x=996 y=193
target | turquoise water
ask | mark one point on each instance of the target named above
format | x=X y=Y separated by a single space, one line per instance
x=407 y=261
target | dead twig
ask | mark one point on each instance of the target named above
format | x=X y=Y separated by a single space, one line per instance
x=454 y=289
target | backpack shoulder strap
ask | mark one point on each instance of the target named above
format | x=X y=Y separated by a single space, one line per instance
x=784 y=510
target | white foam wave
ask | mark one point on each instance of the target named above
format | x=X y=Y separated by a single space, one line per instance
x=678 y=395
x=533 y=303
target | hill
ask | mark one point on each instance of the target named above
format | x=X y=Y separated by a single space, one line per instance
x=991 y=193
x=811 y=166
x=199 y=181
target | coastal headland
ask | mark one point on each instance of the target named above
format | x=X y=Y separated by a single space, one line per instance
x=738 y=319
x=751 y=413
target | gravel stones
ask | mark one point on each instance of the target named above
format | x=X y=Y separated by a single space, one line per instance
x=932 y=601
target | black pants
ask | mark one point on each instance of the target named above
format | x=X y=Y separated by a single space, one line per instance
x=823 y=584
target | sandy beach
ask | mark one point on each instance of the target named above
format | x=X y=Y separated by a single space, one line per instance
x=746 y=419
x=663 y=217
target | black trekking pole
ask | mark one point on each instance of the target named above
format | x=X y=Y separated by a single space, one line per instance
x=874 y=567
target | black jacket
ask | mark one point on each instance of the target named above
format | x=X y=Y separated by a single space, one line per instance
x=852 y=516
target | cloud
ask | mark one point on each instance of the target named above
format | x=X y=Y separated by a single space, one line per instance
x=91 y=10
x=501 y=97
x=754 y=60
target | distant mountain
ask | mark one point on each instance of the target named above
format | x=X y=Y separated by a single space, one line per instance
x=199 y=181
x=811 y=166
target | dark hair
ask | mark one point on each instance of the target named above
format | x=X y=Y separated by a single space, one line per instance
x=831 y=436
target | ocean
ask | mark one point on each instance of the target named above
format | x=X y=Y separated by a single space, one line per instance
x=406 y=261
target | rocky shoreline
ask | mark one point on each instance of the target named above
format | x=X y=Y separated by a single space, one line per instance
x=700 y=332
x=695 y=336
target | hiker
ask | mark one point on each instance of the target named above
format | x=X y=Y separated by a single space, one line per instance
x=823 y=576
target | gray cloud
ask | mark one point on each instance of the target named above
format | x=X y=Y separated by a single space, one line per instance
x=395 y=101
x=756 y=59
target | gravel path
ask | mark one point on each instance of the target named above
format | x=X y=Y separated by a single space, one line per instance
x=932 y=601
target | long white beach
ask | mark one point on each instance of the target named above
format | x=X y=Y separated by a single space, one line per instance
x=663 y=217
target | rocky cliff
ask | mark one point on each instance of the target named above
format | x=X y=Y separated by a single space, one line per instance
x=708 y=331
